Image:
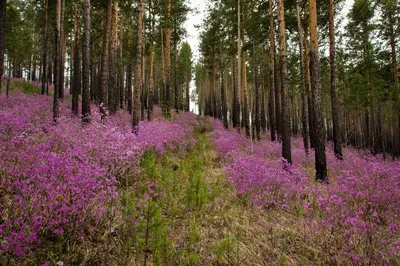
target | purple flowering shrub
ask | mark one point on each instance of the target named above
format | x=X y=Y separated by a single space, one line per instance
x=352 y=219
x=62 y=181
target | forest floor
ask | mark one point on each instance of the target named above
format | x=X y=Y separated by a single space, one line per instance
x=207 y=223
x=185 y=191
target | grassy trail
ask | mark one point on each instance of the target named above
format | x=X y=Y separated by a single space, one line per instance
x=198 y=219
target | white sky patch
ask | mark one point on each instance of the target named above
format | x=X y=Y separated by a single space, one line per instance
x=195 y=18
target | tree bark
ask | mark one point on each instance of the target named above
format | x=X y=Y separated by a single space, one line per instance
x=245 y=116
x=86 y=63
x=271 y=103
x=56 y=111
x=104 y=64
x=45 y=41
x=286 y=145
x=113 y=67
x=3 y=9
x=167 y=55
x=77 y=64
x=320 y=156
x=151 y=75
x=302 y=83
x=138 y=70
x=335 y=105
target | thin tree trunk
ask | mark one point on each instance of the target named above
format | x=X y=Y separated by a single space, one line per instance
x=245 y=96
x=239 y=47
x=286 y=145
x=86 y=63
x=302 y=84
x=77 y=64
x=113 y=66
x=3 y=9
x=256 y=104
x=138 y=70
x=56 y=111
x=44 y=68
x=271 y=102
x=104 y=65
x=167 y=55
x=151 y=76
x=334 y=100
x=62 y=56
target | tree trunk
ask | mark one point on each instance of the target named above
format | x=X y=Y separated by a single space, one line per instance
x=86 y=63
x=62 y=56
x=3 y=9
x=320 y=156
x=113 y=66
x=302 y=83
x=239 y=47
x=271 y=102
x=104 y=65
x=286 y=146
x=45 y=35
x=167 y=55
x=256 y=109
x=151 y=75
x=77 y=64
x=56 y=111
x=245 y=96
x=335 y=104
x=138 y=70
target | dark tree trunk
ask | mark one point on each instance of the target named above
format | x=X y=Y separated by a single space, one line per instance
x=223 y=94
x=45 y=44
x=3 y=9
x=62 y=51
x=320 y=156
x=138 y=70
x=104 y=64
x=286 y=138
x=57 y=83
x=236 y=103
x=86 y=62
x=271 y=103
x=77 y=65
x=302 y=77
x=256 y=104
x=113 y=67
x=334 y=100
